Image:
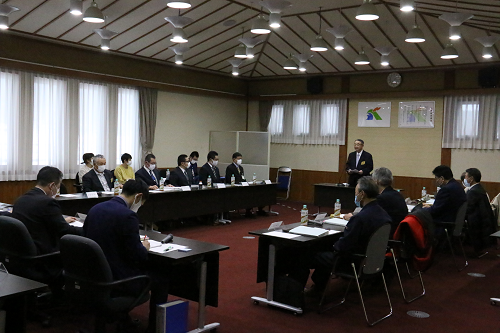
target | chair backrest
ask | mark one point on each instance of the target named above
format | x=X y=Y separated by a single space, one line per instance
x=376 y=250
x=85 y=266
x=15 y=240
x=460 y=220
x=77 y=179
x=284 y=177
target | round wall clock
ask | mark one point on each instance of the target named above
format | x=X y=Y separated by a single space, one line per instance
x=394 y=79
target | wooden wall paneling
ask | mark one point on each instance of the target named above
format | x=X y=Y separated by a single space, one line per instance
x=446 y=156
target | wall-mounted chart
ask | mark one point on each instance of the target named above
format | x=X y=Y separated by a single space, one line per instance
x=416 y=114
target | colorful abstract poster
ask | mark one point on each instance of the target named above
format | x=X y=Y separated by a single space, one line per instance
x=374 y=114
x=416 y=114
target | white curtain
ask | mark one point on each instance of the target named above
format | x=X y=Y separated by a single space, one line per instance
x=472 y=122
x=308 y=122
x=50 y=120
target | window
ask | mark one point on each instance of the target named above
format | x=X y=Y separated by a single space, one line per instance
x=276 y=122
x=49 y=111
x=468 y=120
x=301 y=119
x=9 y=106
x=498 y=123
x=127 y=138
x=329 y=119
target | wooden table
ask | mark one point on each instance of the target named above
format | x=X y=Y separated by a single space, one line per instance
x=326 y=194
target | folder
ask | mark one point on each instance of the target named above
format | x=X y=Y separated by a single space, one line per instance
x=336 y=221
x=172 y=317
x=308 y=231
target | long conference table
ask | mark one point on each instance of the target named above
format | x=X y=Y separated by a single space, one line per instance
x=176 y=204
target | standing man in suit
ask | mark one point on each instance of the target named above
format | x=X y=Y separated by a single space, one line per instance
x=149 y=173
x=114 y=225
x=235 y=169
x=359 y=163
x=210 y=168
x=480 y=219
x=193 y=160
x=449 y=198
x=389 y=199
x=182 y=175
x=98 y=179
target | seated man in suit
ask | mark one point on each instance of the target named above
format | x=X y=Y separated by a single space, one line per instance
x=98 y=179
x=149 y=173
x=114 y=225
x=182 y=175
x=449 y=198
x=235 y=169
x=480 y=219
x=210 y=169
x=193 y=165
x=41 y=214
x=389 y=199
x=359 y=163
x=357 y=234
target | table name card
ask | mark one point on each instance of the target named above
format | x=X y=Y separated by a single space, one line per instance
x=221 y=185
x=92 y=195
x=186 y=188
x=244 y=184
x=268 y=181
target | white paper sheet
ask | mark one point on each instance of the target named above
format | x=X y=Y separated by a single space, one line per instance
x=336 y=221
x=281 y=234
x=68 y=195
x=165 y=248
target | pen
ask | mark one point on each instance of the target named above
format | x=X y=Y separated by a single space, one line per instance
x=168 y=248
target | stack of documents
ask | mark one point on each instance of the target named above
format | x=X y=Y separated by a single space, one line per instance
x=336 y=221
x=308 y=231
x=158 y=247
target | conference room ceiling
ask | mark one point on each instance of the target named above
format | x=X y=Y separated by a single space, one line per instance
x=143 y=32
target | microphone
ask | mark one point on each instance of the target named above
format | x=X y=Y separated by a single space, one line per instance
x=167 y=239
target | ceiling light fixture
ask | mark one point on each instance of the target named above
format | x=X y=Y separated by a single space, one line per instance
x=241 y=52
x=362 y=58
x=93 y=14
x=5 y=11
x=455 y=20
x=275 y=8
x=339 y=31
x=76 y=7
x=319 y=44
x=250 y=43
x=415 y=35
x=179 y=22
x=235 y=63
x=385 y=51
x=302 y=58
x=290 y=64
x=449 y=52
x=106 y=36
x=367 y=11
x=179 y=4
x=179 y=51
x=260 y=25
x=488 y=42
x=406 y=5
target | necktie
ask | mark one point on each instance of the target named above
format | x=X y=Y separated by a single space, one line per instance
x=185 y=174
x=152 y=175
x=357 y=158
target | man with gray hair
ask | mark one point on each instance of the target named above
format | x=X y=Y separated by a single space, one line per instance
x=389 y=199
x=98 y=179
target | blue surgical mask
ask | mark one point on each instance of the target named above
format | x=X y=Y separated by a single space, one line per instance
x=466 y=183
x=356 y=201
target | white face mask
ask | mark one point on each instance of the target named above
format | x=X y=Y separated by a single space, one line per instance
x=214 y=163
x=189 y=164
x=101 y=168
x=135 y=206
x=129 y=163
x=238 y=162
x=152 y=167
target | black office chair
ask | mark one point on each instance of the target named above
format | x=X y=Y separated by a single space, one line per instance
x=77 y=184
x=89 y=282
x=371 y=266
x=19 y=254
x=456 y=230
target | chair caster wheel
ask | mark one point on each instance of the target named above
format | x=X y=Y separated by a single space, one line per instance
x=256 y=302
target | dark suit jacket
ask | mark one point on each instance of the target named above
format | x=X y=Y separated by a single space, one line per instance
x=360 y=227
x=447 y=202
x=145 y=176
x=206 y=170
x=115 y=227
x=42 y=217
x=394 y=204
x=480 y=219
x=91 y=182
x=177 y=177
x=365 y=164
x=232 y=170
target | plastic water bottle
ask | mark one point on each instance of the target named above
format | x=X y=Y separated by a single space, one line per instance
x=232 y=180
x=168 y=174
x=254 y=178
x=116 y=188
x=424 y=192
x=200 y=185
x=209 y=181
x=337 y=206
x=162 y=184
x=304 y=215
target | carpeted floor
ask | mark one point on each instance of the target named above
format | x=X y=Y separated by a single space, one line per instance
x=455 y=301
